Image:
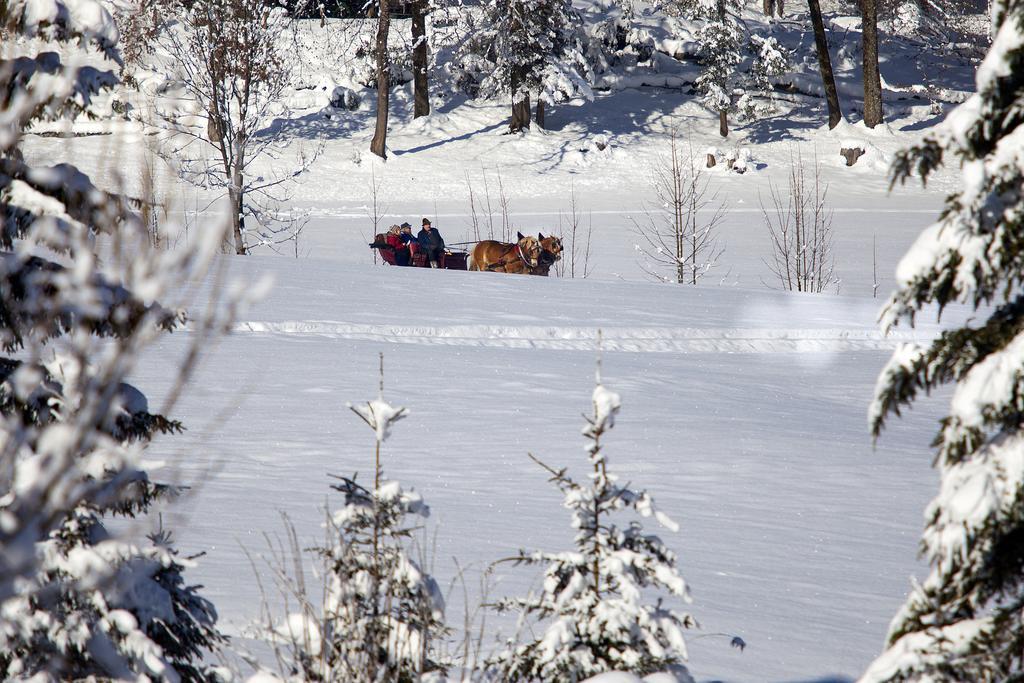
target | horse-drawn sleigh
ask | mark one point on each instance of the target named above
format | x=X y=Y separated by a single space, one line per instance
x=452 y=259
x=528 y=255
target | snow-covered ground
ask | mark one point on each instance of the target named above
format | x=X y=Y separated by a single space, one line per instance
x=744 y=413
x=744 y=407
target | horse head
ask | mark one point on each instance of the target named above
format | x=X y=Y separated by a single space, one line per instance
x=551 y=245
x=529 y=247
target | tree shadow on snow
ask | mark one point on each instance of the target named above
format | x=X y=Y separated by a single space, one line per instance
x=327 y=123
x=457 y=138
x=926 y=123
x=780 y=128
x=633 y=111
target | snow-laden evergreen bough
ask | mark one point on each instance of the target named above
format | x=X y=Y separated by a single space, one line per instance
x=965 y=621
x=75 y=601
x=594 y=611
x=382 y=612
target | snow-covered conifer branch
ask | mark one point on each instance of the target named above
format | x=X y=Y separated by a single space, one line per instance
x=964 y=621
x=381 y=612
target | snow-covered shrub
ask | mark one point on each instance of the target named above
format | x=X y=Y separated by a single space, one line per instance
x=615 y=40
x=799 y=225
x=595 y=611
x=739 y=160
x=964 y=621
x=769 y=60
x=344 y=98
x=381 y=612
x=76 y=602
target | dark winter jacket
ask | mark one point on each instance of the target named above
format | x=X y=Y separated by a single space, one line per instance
x=407 y=237
x=430 y=239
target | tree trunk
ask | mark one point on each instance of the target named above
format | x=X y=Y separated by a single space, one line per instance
x=520 y=110
x=235 y=197
x=872 y=79
x=421 y=99
x=723 y=123
x=236 y=193
x=380 y=133
x=539 y=118
x=835 y=114
x=520 y=115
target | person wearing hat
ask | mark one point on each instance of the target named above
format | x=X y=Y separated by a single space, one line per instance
x=394 y=240
x=431 y=242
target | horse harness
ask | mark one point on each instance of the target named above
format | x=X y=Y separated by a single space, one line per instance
x=502 y=262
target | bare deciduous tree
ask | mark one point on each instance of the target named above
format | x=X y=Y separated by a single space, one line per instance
x=377 y=209
x=230 y=59
x=677 y=238
x=503 y=210
x=800 y=228
x=575 y=261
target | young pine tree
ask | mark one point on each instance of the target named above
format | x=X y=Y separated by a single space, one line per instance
x=965 y=621
x=736 y=68
x=381 y=611
x=76 y=602
x=528 y=48
x=594 y=608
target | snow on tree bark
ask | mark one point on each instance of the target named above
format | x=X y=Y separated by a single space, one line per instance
x=420 y=62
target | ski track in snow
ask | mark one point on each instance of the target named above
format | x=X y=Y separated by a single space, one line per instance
x=633 y=339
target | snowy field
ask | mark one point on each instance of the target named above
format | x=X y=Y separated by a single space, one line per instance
x=744 y=413
x=744 y=407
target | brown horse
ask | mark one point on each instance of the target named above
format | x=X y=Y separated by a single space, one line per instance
x=502 y=257
x=551 y=251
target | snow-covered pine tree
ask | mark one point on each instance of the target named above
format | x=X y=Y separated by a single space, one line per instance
x=527 y=47
x=736 y=67
x=594 y=609
x=614 y=37
x=965 y=621
x=74 y=601
x=381 y=611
